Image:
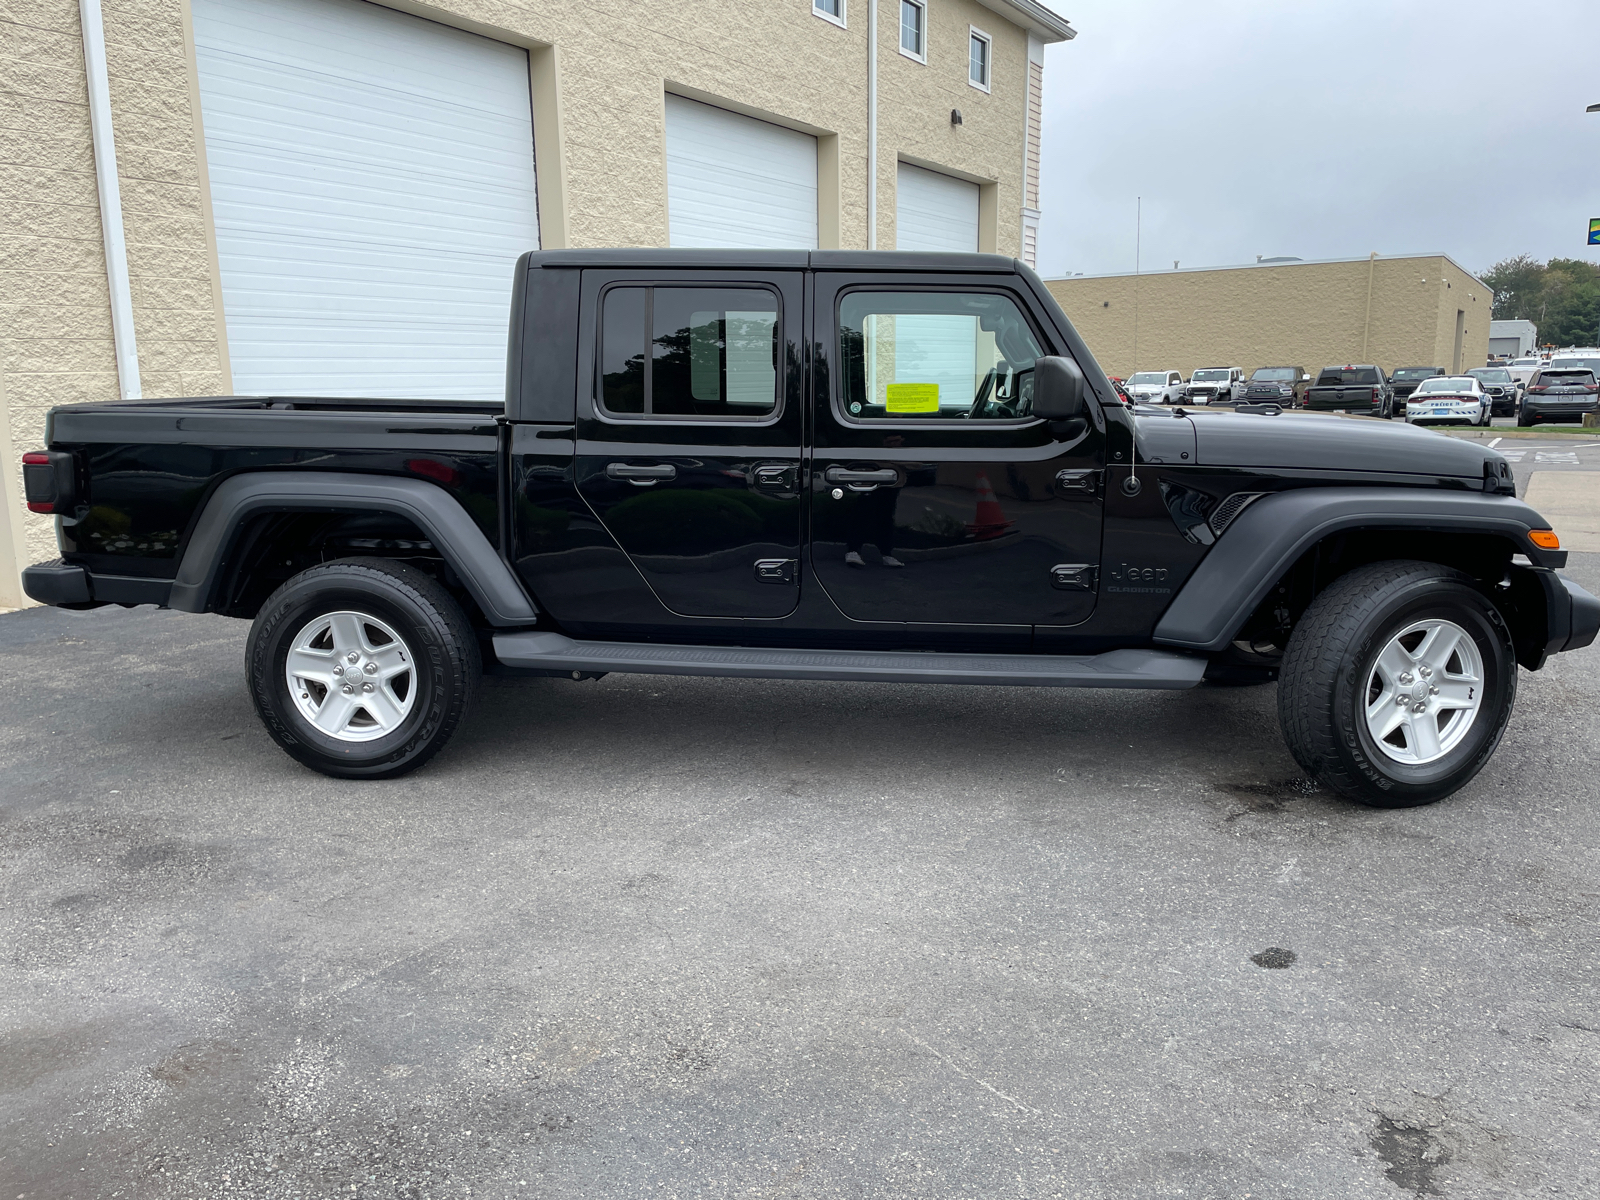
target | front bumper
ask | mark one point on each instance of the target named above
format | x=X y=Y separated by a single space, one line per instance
x=1584 y=622
x=1548 y=614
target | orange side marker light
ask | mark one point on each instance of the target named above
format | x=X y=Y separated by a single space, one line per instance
x=1545 y=538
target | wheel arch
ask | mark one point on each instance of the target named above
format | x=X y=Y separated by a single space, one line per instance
x=230 y=536
x=1287 y=547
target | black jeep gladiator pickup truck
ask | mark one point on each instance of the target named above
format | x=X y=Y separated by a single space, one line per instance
x=827 y=465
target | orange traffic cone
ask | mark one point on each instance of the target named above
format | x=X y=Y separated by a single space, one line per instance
x=990 y=519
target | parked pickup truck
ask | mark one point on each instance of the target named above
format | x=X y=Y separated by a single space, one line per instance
x=1357 y=389
x=1406 y=380
x=1283 y=386
x=823 y=465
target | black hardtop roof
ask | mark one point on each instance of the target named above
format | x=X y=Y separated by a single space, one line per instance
x=777 y=260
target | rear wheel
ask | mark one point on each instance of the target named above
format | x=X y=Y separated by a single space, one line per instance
x=1397 y=684
x=362 y=668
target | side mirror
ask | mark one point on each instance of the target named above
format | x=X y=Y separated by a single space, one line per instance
x=1057 y=389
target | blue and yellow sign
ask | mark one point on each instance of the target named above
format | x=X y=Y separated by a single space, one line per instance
x=1594 y=231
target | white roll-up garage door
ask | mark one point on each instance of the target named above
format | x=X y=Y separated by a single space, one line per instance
x=735 y=181
x=934 y=211
x=372 y=181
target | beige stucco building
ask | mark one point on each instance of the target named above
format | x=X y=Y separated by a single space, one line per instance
x=257 y=138
x=1394 y=311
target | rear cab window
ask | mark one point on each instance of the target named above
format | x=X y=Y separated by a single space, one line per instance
x=689 y=353
x=1338 y=377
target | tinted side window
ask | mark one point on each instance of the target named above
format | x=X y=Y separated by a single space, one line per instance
x=935 y=356
x=689 y=352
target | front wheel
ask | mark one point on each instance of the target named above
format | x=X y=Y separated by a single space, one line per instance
x=1397 y=684
x=362 y=668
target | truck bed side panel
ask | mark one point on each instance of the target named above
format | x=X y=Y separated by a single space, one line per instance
x=149 y=470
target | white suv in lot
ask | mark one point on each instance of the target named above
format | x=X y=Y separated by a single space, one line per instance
x=1156 y=387
x=1215 y=385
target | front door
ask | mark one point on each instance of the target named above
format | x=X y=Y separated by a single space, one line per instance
x=688 y=443
x=936 y=497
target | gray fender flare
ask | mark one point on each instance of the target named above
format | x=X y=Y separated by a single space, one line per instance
x=432 y=509
x=1265 y=540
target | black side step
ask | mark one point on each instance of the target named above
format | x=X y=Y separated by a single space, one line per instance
x=1114 y=669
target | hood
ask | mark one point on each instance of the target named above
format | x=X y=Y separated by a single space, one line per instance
x=1306 y=441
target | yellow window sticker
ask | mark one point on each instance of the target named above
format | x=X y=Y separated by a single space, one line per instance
x=913 y=398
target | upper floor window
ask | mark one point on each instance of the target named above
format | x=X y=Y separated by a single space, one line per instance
x=679 y=352
x=829 y=10
x=979 y=46
x=914 y=29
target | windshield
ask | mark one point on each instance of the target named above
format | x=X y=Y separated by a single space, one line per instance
x=1526 y=362
x=1159 y=378
x=1416 y=372
x=1445 y=385
x=1491 y=374
x=1592 y=364
x=1209 y=376
x=1274 y=375
x=1566 y=378
x=1334 y=376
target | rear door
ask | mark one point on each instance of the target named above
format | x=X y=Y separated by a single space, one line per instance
x=689 y=432
x=936 y=498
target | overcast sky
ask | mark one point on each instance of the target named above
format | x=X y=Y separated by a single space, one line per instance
x=1319 y=129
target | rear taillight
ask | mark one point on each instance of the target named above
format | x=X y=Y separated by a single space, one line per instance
x=48 y=481
x=1374 y=395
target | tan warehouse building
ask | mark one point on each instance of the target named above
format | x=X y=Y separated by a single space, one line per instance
x=326 y=196
x=1400 y=311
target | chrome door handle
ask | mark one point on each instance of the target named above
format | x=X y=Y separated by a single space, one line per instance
x=641 y=476
x=860 y=480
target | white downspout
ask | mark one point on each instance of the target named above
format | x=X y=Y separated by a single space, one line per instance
x=105 y=170
x=872 y=125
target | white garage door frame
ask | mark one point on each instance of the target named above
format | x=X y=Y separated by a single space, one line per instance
x=737 y=180
x=372 y=182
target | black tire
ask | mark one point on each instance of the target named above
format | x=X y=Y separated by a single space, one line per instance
x=1330 y=659
x=1525 y=419
x=446 y=666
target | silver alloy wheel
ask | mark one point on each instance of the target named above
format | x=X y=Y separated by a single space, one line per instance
x=351 y=676
x=1424 y=691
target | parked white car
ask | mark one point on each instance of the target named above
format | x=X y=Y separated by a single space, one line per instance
x=1448 y=400
x=1156 y=387
x=1215 y=385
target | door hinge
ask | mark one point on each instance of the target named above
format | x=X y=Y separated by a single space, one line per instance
x=1078 y=482
x=1074 y=577
x=775 y=570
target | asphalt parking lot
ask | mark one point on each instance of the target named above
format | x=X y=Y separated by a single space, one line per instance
x=678 y=937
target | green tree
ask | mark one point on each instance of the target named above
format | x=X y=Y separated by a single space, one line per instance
x=1561 y=297
x=1514 y=281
